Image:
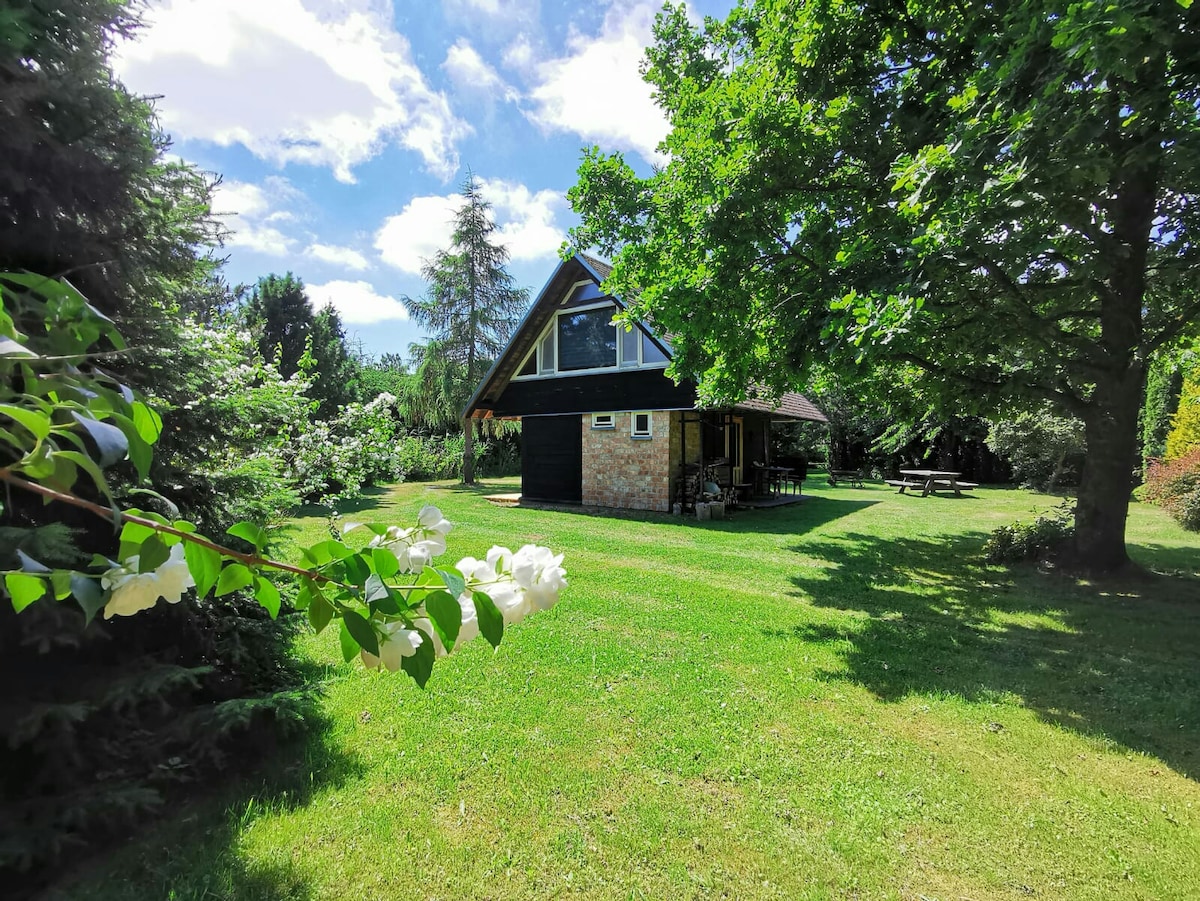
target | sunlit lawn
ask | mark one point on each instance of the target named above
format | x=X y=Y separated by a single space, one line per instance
x=835 y=700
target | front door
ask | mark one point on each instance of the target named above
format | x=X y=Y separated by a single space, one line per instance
x=552 y=458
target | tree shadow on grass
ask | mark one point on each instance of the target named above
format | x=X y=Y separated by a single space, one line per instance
x=1119 y=661
x=192 y=853
x=367 y=500
x=793 y=519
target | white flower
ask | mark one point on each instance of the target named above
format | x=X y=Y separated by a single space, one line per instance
x=540 y=572
x=398 y=642
x=469 y=630
x=133 y=591
x=431 y=520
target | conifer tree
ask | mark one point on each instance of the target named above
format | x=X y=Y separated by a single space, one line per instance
x=470 y=309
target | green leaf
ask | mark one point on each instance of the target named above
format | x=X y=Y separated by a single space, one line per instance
x=204 y=564
x=88 y=595
x=267 y=595
x=491 y=621
x=88 y=465
x=24 y=589
x=446 y=616
x=111 y=444
x=349 y=645
x=376 y=589
x=385 y=562
x=233 y=577
x=29 y=565
x=153 y=554
x=320 y=611
x=140 y=453
x=147 y=422
x=250 y=532
x=37 y=423
x=356 y=569
x=362 y=631
x=454 y=581
x=420 y=664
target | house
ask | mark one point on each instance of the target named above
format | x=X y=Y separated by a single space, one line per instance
x=602 y=425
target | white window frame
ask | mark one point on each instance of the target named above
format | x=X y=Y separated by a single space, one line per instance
x=545 y=369
x=641 y=435
x=604 y=421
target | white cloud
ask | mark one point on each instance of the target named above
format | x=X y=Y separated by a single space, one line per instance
x=307 y=81
x=356 y=302
x=346 y=257
x=595 y=90
x=251 y=213
x=470 y=72
x=495 y=12
x=526 y=225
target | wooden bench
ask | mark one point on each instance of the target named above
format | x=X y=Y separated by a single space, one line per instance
x=903 y=483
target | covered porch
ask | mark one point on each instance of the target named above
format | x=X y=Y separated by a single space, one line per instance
x=725 y=455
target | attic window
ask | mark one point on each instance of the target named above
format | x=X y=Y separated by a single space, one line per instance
x=603 y=421
x=586 y=340
x=530 y=367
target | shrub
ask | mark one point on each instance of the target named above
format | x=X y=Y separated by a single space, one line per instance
x=1040 y=446
x=356 y=449
x=1175 y=486
x=1038 y=540
x=1185 y=425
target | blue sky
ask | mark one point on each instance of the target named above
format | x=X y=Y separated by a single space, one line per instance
x=343 y=128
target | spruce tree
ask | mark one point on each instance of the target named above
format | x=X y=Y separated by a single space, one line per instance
x=470 y=309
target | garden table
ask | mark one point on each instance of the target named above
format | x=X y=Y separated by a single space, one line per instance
x=931 y=481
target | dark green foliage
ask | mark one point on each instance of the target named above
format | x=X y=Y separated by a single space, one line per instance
x=1164 y=381
x=387 y=375
x=281 y=317
x=100 y=722
x=1044 y=538
x=426 y=458
x=335 y=372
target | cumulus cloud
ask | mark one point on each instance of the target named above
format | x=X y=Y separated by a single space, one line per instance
x=358 y=303
x=346 y=257
x=307 y=81
x=471 y=72
x=526 y=225
x=595 y=90
x=252 y=214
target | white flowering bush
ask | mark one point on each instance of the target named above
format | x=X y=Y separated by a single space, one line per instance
x=396 y=608
x=360 y=447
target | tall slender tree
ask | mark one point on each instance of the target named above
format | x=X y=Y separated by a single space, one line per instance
x=282 y=318
x=470 y=308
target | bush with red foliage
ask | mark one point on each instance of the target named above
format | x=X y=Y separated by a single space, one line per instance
x=1175 y=486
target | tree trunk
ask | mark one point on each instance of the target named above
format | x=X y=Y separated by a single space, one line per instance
x=1110 y=425
x=468 y=467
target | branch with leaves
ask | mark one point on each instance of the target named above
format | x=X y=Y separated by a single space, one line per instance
x=60 y=417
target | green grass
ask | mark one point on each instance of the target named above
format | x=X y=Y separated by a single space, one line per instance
x=835 y=700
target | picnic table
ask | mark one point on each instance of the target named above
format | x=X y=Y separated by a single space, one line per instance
x=853 y=476
x=931 y=481
x=770 y=479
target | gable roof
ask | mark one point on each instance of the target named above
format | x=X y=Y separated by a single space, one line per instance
x=578 y=267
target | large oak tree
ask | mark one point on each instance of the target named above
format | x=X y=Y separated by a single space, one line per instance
x=1003 y=194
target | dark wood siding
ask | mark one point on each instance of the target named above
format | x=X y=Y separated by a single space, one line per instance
x=644 y=389
x=552 y=459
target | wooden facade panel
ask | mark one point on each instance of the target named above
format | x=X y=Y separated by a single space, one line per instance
x=552 y=459
x=644 y=389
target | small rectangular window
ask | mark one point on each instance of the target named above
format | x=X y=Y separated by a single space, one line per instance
x=629 y=347
x=641 y=425
x=546 y=352
x=603 y=421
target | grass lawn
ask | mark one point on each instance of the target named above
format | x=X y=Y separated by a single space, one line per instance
x=833 y=700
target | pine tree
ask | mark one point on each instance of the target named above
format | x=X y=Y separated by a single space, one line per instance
x=471 y=308
x=336 y=373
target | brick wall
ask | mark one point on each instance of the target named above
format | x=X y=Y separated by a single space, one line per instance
x=621 y=471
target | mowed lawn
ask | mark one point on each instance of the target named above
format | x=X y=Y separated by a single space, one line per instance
x=832 y=700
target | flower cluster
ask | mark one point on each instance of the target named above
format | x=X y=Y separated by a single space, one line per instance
x=134 y=591
x=517 y=584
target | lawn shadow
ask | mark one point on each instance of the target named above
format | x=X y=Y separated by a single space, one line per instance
x=368 y=499
x=1119 y=661
x=814 y=511
x=193 y=853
